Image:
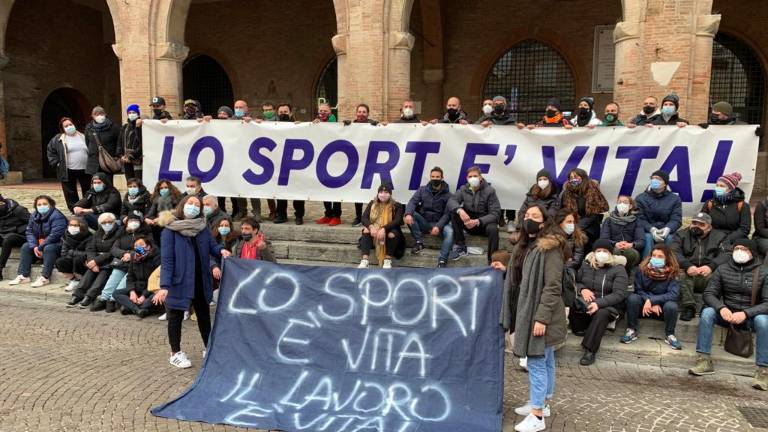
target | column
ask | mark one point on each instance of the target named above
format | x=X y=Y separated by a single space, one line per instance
x=169 y=59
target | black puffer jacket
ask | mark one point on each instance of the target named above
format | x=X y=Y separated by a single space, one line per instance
x=483 y=201
x=731 y=286
x=732 y=217
x=139 y=272
x=124 y=244
x=108 y=200
x=99 y=248
x=14 y=218
x=609 y=283
x=140 y=203
x=74 y=246
x=699 y=251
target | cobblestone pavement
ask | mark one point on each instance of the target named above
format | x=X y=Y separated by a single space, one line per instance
x=71 y=370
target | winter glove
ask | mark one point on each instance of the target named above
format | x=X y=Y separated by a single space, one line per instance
x=664 y=233
x=654 y=233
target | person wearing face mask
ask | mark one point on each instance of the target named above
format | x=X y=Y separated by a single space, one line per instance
x=192 y=110
x=71 y=263
x=381 y=232
x=240 y=205
x=102 y=197
x=454 y=114
x=44 y=233
x=332 y=215
x=611 y=117
x=655 y=295
x=496 y=113
x=98 y=261
x=136 y=298
x=729 y=210
x=193 y=187
x=122 y=252
x=129 y=143
x=543 y=193
x=285 y=114
x=585 y=114
x=737 y=295
x=575 y=239
x=533 y=310
x=553 y=116
x=324 y=114
x=669 y=115
x=186 y=277
x=760 y=220
x=252 y=244
x=427 y=212
x=699 y=250
x=625 y=231
x=101 y=132
x=158 y=109
x=14 y=219
x=474 y=207
x=361 y=116
x=660 y=211
x=648 y=114
x=165 y=196
x=582 y=195
x=722 y=115
x=212 y=212
x=69 y=154
x=408 y=114
x=268 y=111
x=602 y=287
x=136 y=199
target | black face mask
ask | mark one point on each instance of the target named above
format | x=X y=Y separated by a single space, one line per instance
x=716 y=120
x=498 y=109
x=247 y=237
x=532 y=227
x=551 y=113
x=436 y=183
x=453 y=113
x=584 y=112
x=157 y=111
x=284 y=117
x=648 y=110
x=696 y=231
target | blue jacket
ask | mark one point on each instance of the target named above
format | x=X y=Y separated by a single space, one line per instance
x=50 y=227
x=430 y=204
x=660 y=210
x=632 y=232
x=177 y=273
x=659 y=292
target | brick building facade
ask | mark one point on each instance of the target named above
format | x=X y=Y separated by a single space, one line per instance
x=64 y=56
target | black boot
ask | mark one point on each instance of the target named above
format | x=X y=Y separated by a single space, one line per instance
x=86 y=302
x=111 y=306
x=98 y=305
x=125 y=311
x=587 y=359
x=687 y=314
x=74 y=300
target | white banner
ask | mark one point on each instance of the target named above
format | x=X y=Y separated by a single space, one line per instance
x=333 y=162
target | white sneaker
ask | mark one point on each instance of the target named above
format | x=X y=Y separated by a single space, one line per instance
x=71 y=285
x=363 y=263
x=19 y=280
x=387 y=264
x=526 y=409
x=186 y=315
x=205 y=352
x=511 y=226
x=41 y=281
x=163 y=317
x=530 y=424
x=180 y=360
x=524 y=363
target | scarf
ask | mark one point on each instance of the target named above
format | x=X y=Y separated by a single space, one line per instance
x=657 y=274
x=554 y=120
x=726 y=197
x=381 y=215
x=96 y=127
x=187 y=227
x=622 y=220
x=529 y=296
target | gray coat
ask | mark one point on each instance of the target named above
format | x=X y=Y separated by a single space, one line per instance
x=483 y=202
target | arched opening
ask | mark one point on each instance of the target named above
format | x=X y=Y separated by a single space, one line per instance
x=738 y=77
x=206 y=81
x=527 y=75
x=327 y=88
x=63 y=102
x=74 y=53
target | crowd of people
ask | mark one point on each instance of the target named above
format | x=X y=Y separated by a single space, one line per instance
x=573 y=260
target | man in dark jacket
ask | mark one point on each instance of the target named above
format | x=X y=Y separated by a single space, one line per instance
x=699 y=250
x=498 y=114
x=101 y=132
x=102 y=197
x=722 y=115
x=737 y=295
x=192 y=110
x=427 y=211
x=98 y=260
x=453 y=113
x=13 y=224
x=661 y=211
x=476 y=209
x=669 y=112
x=129 y=143
x=158 y=109
x=135 y=297
x=648 y=114
x=212 y=212
x=408 y=114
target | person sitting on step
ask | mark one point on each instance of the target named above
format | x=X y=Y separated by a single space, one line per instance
x=476 y=209
x=381 y=220
x=44 y=234
x=427 y=212
x=101 y=198
x=71 y=263
x=99 y=258
x=252 y=244
x=135 y=297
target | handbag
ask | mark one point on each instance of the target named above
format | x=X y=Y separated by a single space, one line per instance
x=110 y=164
x=738 y=341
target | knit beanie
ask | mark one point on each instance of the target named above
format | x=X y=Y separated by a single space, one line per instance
x=731 y=180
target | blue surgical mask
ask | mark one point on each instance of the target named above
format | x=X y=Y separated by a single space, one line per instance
x=656 y=262
x=655 y=184
x=43 y=209
x=98 y=187
x=207 y=211
x=140 y=250
x=668 y=110
x=191 y=211
x=720 y=191
x=239 y=112
x=575 y=182
x=70 y=130
x=224 y=230
x=164 y=192
x=133 y=191
x=569 y=228
x=107 y=227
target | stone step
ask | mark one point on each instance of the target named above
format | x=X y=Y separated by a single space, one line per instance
x=686 y=331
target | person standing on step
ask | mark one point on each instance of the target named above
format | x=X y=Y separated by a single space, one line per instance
x=602 y=287
x=135 y=297
x=585 y=114
x=158 y=109
x=454 y=113
x=101 y=132
x=381 y=220
x=285 y=114
x=129 y=143
x=332 y=215
x=655 y=295
x=729 y=210
x=14 y=219
x=648 y=113
x=98 y=262
x=699 y=250
x=476 y=209
x=669 y=112
x=427 y=212
x=736 y=296
x=660 y=211
x=44 y=234
x=68 y=153
x=101 y=198
x=362 y=115
x=71 y=263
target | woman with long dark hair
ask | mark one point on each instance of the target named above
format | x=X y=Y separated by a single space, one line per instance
x=582 y=196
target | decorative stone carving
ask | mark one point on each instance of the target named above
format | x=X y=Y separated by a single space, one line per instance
x=339 y=43
x=707 y=25
x=626 y=30
x=171 y=51
x=401 y=40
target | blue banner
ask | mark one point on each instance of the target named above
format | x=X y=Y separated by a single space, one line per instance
x=302 y=348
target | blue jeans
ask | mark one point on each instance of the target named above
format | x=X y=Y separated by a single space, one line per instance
x=50 y=253
x=758 y=324
x=635 y=309
x=421 y=225
x=541 y=378
x=649 y=242
x=92 y=220
x=116 y=281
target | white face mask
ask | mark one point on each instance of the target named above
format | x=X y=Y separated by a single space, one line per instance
x=73 y=230
x=474 y=182
x=569 y=228
x=133 y=116
x=543 y=184
x=602 y=257
x=741 y=256
x=407 y=112
x=487 y=109
x=132 y=226
x=191 y=191
x=622 y=208
x=100 y=119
